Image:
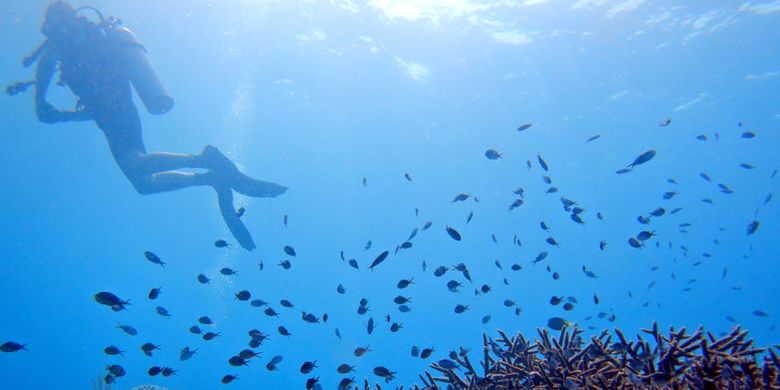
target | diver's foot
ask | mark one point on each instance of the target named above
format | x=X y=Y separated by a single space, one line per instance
x=227 y=173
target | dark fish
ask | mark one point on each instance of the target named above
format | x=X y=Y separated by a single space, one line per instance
x=309 y=318
x=644 y=235
x=705 y=176
x=353 y=263
x=752 y=227
x=542 y=163
x=440 y=271
x=516 y=267
x=368 y=245
x=370 y=325
x=237 y=361
x=517 y=203
x=552 y=242
x=163 y=311
x=759 y=313
x=665 y=122
x=556 y=323
x=270 y=312
x=148 y=348
x=365 y=182
x=460 y=308
x=634 y=242
x=642 y=158
x=468 y=219
x=408 y=176
x=415 y=351
x=622 y=171
x=461 y=197
x=493 y=237
x=195 y=329
x=128 y=329
x=485 y=319
x=229 y=378
x=426 y=353
x=593 y=138
x=568 y=306
x=382 y=256
x=154 y=370
x=221 y=244
x=395 y=327
x=154 y=293
x=240 y=212
x=701 y=137
x=290 y=251
x=404 y=283
x=283 y=331
x=12 y=346
x=427 y=225
x=116 y=370
x=746 y=166
x=286 y=264
x=154 y=258
x=383 y=372
x=187 y=353
x=602 y=245
x=208 y=336
x=541 y=256
x=524 y=126
x=340 y=289
x=243 y=295
x=109 y=299
x=228 y=271
x=257 y=303
x=669 y=195
x=595 y=299
x=748 y=134
x=453 y=233
x=405 y=245
x=589 y=273
x=492 y=154
x=203 y=279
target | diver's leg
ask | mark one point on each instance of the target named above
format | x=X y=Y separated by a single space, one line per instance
x=233 y=222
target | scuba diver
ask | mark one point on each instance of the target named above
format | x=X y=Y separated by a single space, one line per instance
x=99 y=61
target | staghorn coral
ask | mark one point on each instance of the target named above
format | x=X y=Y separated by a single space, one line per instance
x=673 y=360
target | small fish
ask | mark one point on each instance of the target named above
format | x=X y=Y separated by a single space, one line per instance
x=203 y=279
x=113 y=350
x=163 y=311
x=154 y=258
x=665 y=122
x=365 y=182
x=228 y=271
x=454 y=234
x=701 y=137
x=556 y=323
x=642 y=158
x=221 y=244
x=243 y=295
x=493 y=237
x=593 y=138
x=109 y=299
x=370 y=325
x=468 y=219
x=492 y=154
x=746 y=166
x=460 y=308
x=368 y=245
x=542 y=163
x=284 y=220
x=360 y=351
x=408 y=177
x=128 y=329
x=524 y=126
x=517 y=203
x=379 y=259
x=748 y=135
x=759 y=313
x=290 y=251
x=589 y=273
x=669 y=195
x=286 y=264
x=752 y=227
x=635 y=243
x=283 y=331
x=154 y=293
x=541 y=256
x=404 y=283
x=427 y=225
x=308 y=366
x=705 y=177
x=353 y=263
x=228 y=378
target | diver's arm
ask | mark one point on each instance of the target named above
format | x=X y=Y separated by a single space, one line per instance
x=47 y=66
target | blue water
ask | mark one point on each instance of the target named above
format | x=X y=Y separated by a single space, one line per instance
x=318 y=95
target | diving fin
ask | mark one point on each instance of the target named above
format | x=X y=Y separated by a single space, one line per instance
x=241 y=183
x=233 y=222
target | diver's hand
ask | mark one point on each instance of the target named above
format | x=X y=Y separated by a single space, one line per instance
x=47 y=113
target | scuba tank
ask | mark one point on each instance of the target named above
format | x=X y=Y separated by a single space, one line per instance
x=132 y=57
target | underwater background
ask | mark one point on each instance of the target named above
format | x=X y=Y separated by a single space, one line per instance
x=317 y=96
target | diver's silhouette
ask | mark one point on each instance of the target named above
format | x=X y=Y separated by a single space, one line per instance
x=99 y=62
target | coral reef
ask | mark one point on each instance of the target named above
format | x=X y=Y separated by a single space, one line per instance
x=673 y=360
